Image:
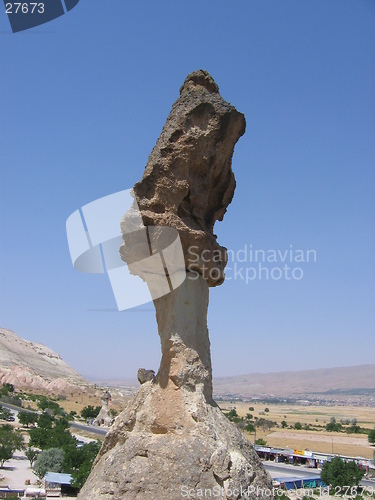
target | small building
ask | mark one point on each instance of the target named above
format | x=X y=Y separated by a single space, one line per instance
x=7 y=492
x=293 y=483
x=57 y=484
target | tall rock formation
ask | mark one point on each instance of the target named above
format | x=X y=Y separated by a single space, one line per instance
x=172 y=439
x=104 y=416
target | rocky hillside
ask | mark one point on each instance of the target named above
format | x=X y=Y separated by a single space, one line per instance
x=349 y=380
x=31 y=365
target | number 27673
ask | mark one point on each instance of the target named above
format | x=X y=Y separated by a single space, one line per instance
x=24 y=8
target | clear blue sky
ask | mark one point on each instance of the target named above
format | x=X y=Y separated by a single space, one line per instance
x=83 y=101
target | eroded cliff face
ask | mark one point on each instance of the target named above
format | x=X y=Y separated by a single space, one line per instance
x=188 y=181
x=172 y=437
x=29 y=365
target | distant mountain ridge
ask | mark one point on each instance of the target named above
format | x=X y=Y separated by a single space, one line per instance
x=345 y=381
x=32 y=365
x=341 y=380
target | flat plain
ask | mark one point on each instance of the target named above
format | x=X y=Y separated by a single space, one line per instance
x=353 y=445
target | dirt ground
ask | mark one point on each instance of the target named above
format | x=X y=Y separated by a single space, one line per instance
x=16 y=471
x=323 y=442
x=78 y=400
x=353 y=445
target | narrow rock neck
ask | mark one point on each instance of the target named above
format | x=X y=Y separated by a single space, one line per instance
x=182 y=324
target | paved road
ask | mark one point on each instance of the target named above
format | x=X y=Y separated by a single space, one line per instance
x=89 y=428
x=287 y=470
x=15 y=408
x=84 y=427
x=280 y=470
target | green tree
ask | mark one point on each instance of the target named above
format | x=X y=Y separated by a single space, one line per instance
x=70 y=416
x=266 y=410
x=298 y=426
x=261 y=442
x=371 y=437
x=80 y=475
x=249 y=427
x=233 y=416
x=6 y=389
x=51 y=460
x=353 y=429
x=39 y=438
x=251 y=408
x=90 y=412
x=5 y=413
x=338 y=473
x=334 y=426
x=45 y=403
x=52 y=434
x=26 y=418
x=284 y=424
x=45 y=421
x=6 y=453
x=78 y=462
x=72 y=458
x=10 y=441
x=60 y=434
x=31 y=455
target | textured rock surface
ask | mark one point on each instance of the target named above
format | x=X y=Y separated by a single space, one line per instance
x=172 y=437
x=31 y=365
x=104 y=416
x=145 y=375
x=205 y=453
x=188 y=181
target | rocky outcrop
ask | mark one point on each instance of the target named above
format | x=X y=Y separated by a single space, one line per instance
x=188 y=181
x=172 y=438
x=31 y=365
x=145 y=375
x=104 y=416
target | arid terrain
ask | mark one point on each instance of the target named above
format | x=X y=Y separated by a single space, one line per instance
x=311 y=397
x=351 y=384
x=353 y=445
x=27 y=364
